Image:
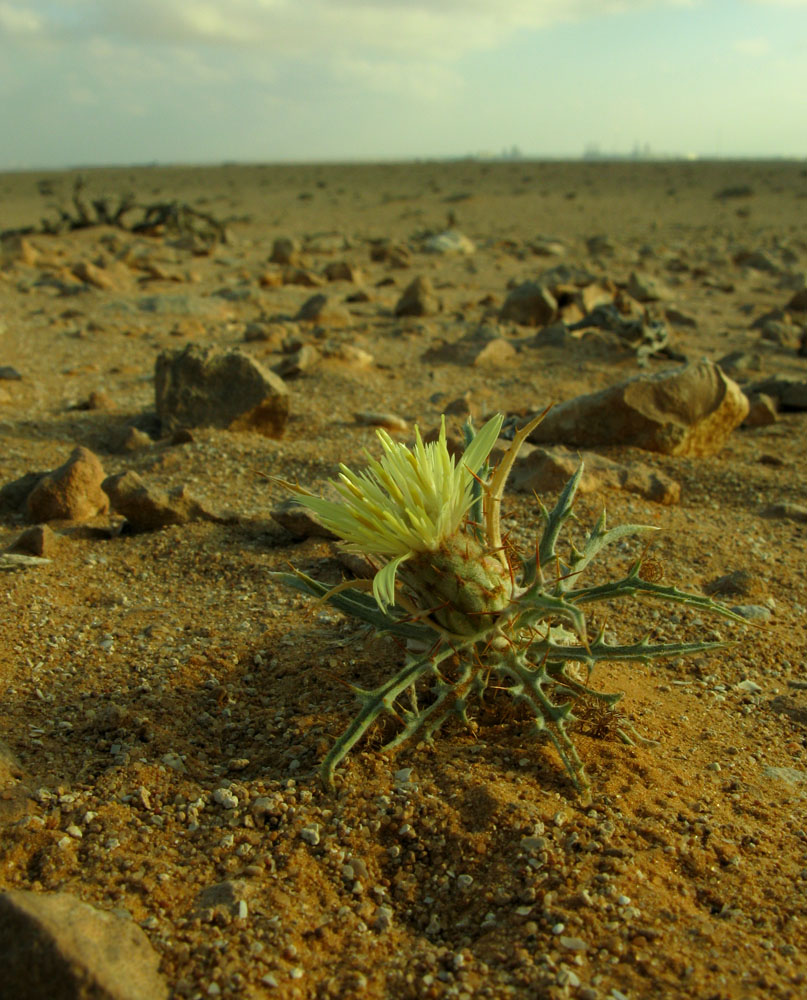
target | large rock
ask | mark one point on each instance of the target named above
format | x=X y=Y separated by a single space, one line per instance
x=71 y=493
x=530 y=304
x=55 y=946
x=209 y=387
x=687 y=411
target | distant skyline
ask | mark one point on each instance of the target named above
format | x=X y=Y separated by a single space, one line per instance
x=104 y=82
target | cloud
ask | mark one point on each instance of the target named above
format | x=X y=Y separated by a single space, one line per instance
x=754 y=47
x=19 y=22
x=441 y=29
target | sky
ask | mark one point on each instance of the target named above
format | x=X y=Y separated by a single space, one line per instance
x=101 y=82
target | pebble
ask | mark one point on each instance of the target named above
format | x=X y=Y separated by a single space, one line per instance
x=224 y=797
x=386 y=420
x=752 y=612
x=310 y=834
x=573 y=943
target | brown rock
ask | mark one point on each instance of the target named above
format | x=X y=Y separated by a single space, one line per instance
x=285 y=251
x=496 y=352
x=323 y=310
x=149 y=510
x=302 y=276
x=341 y=270
x=72 y=492
x=40 y=540
x=547 y=470
x=418 y=299
x=208 y=387
x=530 y=304
x=93 y=275
x=56 y=947
x=297 y=362
x=798 y=303
x=686 y=411
x=299 y=521
x=761 y=412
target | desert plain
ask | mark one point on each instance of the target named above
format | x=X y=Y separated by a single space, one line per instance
x=166 y=702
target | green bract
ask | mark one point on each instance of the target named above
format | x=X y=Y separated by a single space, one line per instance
x=451 y=589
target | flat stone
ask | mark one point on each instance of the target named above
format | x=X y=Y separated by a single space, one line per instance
x=54 y=946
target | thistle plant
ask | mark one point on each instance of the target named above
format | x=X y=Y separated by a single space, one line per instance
x=473 y=613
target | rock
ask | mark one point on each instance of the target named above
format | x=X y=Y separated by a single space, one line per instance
x=130 y=439
x=148 y=510
x=418 y=299
x=16 y=249
x=19 y=560
x=686 y=411
x=302 y=276
x=761 y=410
x=285 y=251
x=227 y=898
x=495 y=352
x=633 y=333
x=600 y=246
x=787 y=510
x=547 y=246
x=785 y=335
x=321 y=309
x=757 y=260
x=209 y=387
x=13 y=495
x=71 y=493
x=734 y=191
x=297 y=362
x=789 y=391
x=387 y=420
x=547 y=470
x=93 y=275
x=738 y=583
x=643 y=288
x=8 y=373
x=37 y=541
x=330 y=242
x=354 y=357
x=798 y=303
x=530 y=304
x=98 y=399
x=268 y=332
x=679 y=318
x=299 y=521
x=739 y=363
x=341 y=270
x=752 y=612
x=452 y=241
x=55 y=946
x=11 y=770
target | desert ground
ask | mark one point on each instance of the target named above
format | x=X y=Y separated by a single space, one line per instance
x=166 y=703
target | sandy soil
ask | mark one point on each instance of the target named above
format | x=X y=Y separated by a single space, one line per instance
x=140 y=673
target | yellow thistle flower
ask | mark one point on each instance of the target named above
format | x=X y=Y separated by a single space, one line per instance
x=407 y=502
